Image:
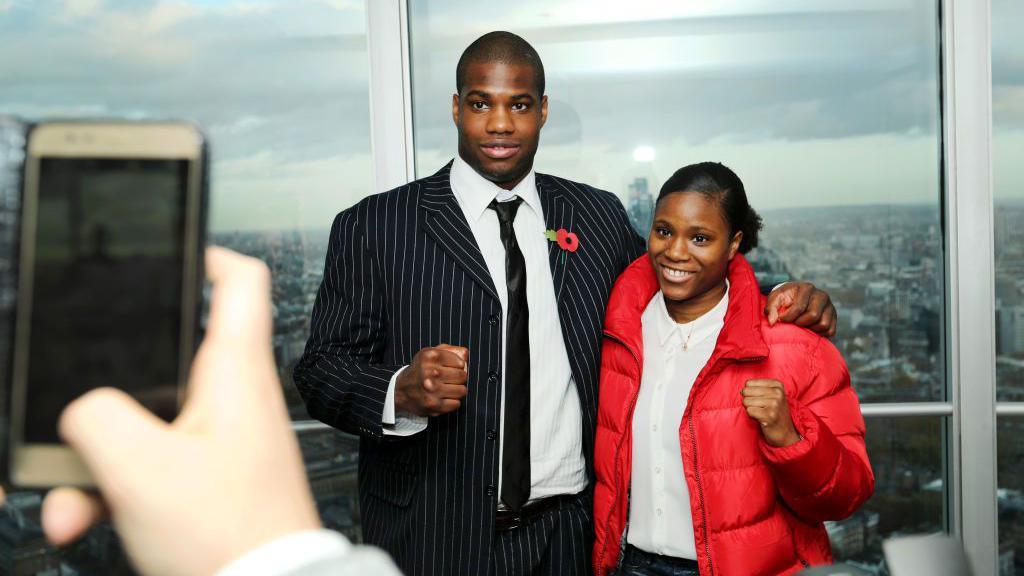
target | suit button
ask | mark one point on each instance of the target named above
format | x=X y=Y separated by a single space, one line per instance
x=492 y=319
x=492 y=377
x=490 y=490
x=491 y=434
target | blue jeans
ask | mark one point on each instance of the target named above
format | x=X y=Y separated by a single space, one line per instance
x=636 y=562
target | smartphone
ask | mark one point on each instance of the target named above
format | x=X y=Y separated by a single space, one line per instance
x=109 y=286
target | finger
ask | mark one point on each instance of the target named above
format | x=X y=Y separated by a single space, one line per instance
x=450 y=359
x=807 y=320
x=801 y=295
x=817 y=302
x=233 y=380
x=68 y=513
x=760 y=415
x=459 y=351
x=765 y=403
x=759 y=392
x=827 y=321
x=450 y=405
x=240 y=305
x=778 y=301
x=448 y=375
x=452 y=391
x=763 y=383
x=108 y=429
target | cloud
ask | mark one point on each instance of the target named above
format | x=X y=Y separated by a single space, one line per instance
x=281 y=88
x=346 y=5
x=79 y=9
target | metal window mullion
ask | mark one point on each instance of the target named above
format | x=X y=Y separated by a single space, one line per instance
x=1010 y=409
x=877 y=410
x=906 y=409
x=300 y=426
x=967 y=131
x=390 y=93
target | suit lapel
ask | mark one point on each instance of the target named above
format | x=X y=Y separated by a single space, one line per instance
x=559 y=213
x=445 y=222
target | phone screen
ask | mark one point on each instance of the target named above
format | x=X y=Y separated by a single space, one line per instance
x=107 y=285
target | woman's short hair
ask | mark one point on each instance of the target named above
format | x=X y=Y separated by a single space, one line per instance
x=717 y=181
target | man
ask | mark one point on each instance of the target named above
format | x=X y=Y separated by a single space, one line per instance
x=458 y=330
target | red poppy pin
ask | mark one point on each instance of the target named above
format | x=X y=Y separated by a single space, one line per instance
x=567 y=241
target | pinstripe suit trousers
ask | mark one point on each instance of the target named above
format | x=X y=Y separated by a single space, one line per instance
x=557 y=543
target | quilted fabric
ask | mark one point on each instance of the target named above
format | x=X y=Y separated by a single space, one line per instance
x=756 y=509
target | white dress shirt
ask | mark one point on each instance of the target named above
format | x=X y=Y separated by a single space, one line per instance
x=556 y=419
x=311 y=553
x=660 y=520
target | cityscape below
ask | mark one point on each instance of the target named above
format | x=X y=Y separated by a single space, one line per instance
x=883 y=267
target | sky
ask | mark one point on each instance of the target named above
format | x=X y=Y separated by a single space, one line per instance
x=812 y=103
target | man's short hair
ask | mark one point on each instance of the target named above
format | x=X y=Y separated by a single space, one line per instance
x=503 y=47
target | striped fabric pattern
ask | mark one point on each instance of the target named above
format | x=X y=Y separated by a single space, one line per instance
x=403 y=272
x=558 y=542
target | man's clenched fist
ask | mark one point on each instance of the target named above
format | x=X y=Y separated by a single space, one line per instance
x=435 y=382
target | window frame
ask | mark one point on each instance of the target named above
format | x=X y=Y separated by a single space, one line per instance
x=969 y=445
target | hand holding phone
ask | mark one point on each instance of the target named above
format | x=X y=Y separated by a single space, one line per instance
x=225 y=477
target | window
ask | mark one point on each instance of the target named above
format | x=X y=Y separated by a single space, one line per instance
x=1008 y=193
x=906 y=454
x=838 y=146
x=1008 y=190
x=829 y=114
x=281 y=91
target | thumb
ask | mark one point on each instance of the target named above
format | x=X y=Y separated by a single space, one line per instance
x=778 y=301
x=68 y=513
x=110 y=431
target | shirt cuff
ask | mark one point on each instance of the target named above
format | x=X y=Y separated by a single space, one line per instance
x=289 y=554
x=399 y=424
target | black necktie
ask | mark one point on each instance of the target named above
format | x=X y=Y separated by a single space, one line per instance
x=515 y=477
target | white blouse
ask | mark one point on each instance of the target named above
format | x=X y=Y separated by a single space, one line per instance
x=660 y=520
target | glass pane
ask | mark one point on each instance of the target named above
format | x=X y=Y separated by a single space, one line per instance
x=906 y=455
x=332 y=460
x=1008 y=189
x=281 y=90
x=1011 y=495
x=828 y=112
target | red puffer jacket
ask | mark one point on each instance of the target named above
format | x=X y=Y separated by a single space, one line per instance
x=756 y=509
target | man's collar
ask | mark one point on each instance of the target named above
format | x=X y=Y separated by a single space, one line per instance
x=474 y=192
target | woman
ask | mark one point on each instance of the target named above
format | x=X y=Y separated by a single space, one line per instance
x=723 y=441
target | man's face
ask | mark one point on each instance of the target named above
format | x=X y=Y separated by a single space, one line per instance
x=499 y=115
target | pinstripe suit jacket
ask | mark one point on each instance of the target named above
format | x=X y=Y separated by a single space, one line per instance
x=404 y=272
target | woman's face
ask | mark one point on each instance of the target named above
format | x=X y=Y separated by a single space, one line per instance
x=690 y=248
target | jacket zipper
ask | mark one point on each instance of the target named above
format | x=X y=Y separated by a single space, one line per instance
x=618 y=449
x=717 y=366
x=700 y=496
